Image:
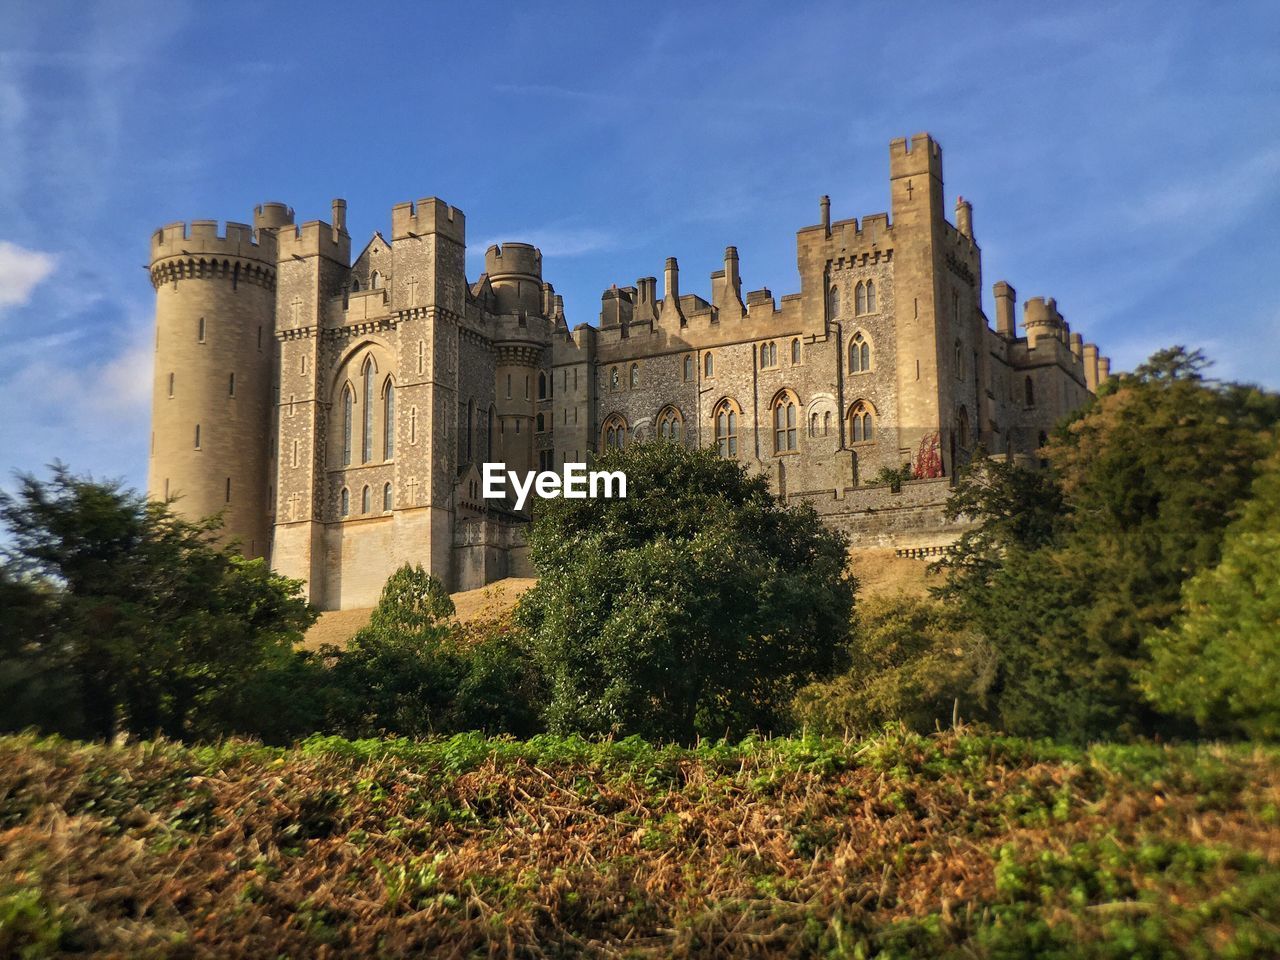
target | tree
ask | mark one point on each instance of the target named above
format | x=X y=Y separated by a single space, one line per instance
x=912 y=660
x=695 y=606
x=413 y=671
x=1220 y=663
x=145 y=622
x=1066 y=575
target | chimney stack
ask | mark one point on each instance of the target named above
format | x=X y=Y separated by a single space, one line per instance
x=339 y=207
x=1005 y=299
x=964 y=217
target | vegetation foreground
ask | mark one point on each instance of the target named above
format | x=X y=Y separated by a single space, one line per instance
x=899 y=845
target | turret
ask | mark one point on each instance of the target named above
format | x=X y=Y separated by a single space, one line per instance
x=212 y=403
x=515 y=271
x=671 y=316
x=964 y=217
x=1006 y=298
x=1091 y=366
x=1077 y=346
x=1104 y=370
x=1041 y=319
x=824 y=208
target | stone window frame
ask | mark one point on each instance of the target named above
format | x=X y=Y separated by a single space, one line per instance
x=726 y=442
x=633 y=378
x=690 y=368
x=866 y=415
x=784 y=419
x=769 y=355
x=613 y=432
x=344 y=502
x=860 y=340
x=388 y=502
x=670 y=423
x=865 y=301
x=708 y=365
x=796 y=355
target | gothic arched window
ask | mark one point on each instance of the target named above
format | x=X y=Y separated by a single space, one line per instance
x=614 y=433
x=859 y=354
x=346 y=502
x=688 y=367
x=871 y=296
x=725 y=418
x=386 y=497
x=1030 y=391
x=635 y=375
x=542 y=386
x=861 y=422
x=795 y=350
x=708 y=365
x=785 y=410
x=614 y=380
x=368 y=371
x=348 y=404
x=388 y=419
x=364 y=499
x=860 y=299
x=833 y=303
x=670 y=424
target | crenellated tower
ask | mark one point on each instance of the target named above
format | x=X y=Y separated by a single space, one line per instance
x=212 y=404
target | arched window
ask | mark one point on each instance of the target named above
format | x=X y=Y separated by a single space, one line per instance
x=860 y=299
x=386 y=497
x=861 y=422
x=813 y=424
x=833 y=303
x=388 y=419
x=725 y=418
x=635 y=375
x=785 y=409
x=542 y=386
x=871 y=296
x=374 y=280
x=826 y=423
x=348 y=405
x=670 y=424
x=614 y=434
x=795 y=350
x=859 y=354
x=688 y=367
x=768 y=354
x=364 y=499
x=368 y=371
x=708 y=365
x=346 y=502
x=1030 y=392
x=541 y=424
x=614 y=380
x=355 y=286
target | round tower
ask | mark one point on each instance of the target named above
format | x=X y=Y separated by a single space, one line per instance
x=212 y=405
x=515 y=271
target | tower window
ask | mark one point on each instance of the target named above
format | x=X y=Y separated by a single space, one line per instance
x=708 y=365
x=859 y=354
x=348 y=405
x=365 y=504
x=635 y=375
x=768 y=354
x=785 y=408
x=614 y=380
x=346 y=502
x=795 y=350
x=388 y=419
x=542 y=386
x=725 y=419
x=386 y=497
x=508 y=386
x=1030 y=391
x=366 y=444
x=688 y=368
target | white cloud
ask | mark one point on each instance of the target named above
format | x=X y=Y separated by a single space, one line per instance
x=556 y=241
x=21 y=271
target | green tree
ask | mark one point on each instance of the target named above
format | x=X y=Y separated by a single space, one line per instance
x=912 y=660
x=695 y=606
x=1067 y=574
x=413 y=671
x=145 y=620
x=1220 y=663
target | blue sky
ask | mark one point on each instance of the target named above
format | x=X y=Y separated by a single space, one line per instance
x=1124 y=158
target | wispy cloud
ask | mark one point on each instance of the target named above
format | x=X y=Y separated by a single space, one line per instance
x=21 y=271
x=558 y=241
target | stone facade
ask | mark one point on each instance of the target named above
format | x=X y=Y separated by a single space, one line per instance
x=338 y=412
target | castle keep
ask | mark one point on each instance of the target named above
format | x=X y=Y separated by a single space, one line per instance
x=337 y=411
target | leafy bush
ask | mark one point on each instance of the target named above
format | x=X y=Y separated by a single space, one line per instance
x=695 y=606
x=912 y=661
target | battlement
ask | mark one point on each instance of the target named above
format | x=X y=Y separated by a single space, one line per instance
x=208 y=239
x=912 y=158
x=426 y=216
x=513 y=260
x=315 y=238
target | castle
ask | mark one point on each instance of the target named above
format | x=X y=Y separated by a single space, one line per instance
x=336 y=412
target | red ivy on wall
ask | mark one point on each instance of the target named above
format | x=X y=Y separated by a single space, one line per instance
x=928 y=462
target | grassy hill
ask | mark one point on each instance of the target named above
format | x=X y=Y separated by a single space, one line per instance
x=899 y=846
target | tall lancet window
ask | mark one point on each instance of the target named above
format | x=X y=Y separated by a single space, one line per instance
x=348 y=402
x=366 y=446
x=388 y=419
